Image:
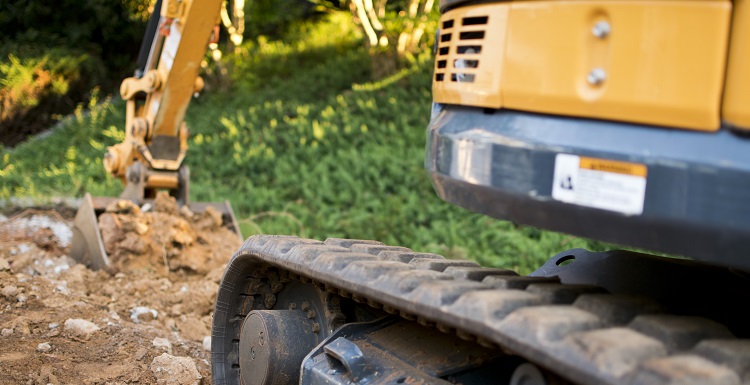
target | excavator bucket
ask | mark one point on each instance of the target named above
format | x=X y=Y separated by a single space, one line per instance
x=88 y=246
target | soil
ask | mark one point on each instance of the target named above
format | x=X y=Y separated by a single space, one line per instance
x=145 y=321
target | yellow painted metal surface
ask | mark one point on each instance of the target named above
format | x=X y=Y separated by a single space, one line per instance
x=653 y=62
x=179 y=65
x=170 y=81
x=469 y=58
x=736 y=105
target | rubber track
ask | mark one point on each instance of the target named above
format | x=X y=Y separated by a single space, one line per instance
x=579 y=332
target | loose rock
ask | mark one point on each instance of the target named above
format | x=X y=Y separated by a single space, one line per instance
x=46 y=376
x=162 y=344
x=186 y=212
x=193 y=328
x=140 y=353
x=143 y=314
x=44 y=347
x=165 y=203
x=9 y=291
x=111 y=231
x=134 y=244
x=123 y=207
x=210 y=219
x=173 y=370
x=207 y=343
x=6 y=332
x=80 y=328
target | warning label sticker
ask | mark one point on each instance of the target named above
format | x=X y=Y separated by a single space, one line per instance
x=600 y=183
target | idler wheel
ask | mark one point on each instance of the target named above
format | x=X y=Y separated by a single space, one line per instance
x=273 y=344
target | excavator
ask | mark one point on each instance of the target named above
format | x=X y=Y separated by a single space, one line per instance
x=150 y=158
x=622 y=121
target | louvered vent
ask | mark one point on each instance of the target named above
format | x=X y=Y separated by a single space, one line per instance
x=459 y=48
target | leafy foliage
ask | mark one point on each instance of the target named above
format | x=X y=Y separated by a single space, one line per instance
x=108 y=29
x=396 y=31
x=52 y=54
x=273 y=18
x=35 y=87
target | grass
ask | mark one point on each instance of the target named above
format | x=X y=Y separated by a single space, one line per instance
x=304 y=143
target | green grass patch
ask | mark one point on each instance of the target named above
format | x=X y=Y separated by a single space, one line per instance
x=304 y=143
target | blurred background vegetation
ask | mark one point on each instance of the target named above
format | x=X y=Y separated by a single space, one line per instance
x=318 y=130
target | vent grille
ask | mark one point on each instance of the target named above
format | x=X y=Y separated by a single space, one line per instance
x=459 y=46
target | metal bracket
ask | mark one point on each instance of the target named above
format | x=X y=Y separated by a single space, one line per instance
x=135 y=183
x=349 y=354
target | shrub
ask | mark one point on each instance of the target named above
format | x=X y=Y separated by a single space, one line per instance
x=34 y=88
x=272 y=18
x=53 y=53
x=397 y=31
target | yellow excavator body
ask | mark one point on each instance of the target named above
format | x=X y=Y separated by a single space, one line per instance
x=736 y=102
x=619 y=60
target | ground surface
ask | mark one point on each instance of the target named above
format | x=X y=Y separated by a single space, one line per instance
x=147 y=321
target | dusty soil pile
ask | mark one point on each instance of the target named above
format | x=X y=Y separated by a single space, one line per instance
x=148 y=321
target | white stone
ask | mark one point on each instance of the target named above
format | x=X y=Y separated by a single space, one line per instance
x=61 y=267
x=162 y=344
x=21 y=249
x=44 y=347
x=62 y=231
x=113 y=314
x=142 y=314
x=6 y=332
x=80 y=327
x=62 y=288
x=173 y=370
x=207 y=343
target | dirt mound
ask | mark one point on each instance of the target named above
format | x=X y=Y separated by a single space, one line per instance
x=62 y=323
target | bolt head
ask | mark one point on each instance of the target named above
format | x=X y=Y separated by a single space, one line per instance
x=596 y=77
x=601 y=29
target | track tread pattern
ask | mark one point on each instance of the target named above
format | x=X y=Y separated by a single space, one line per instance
x=580 y=332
